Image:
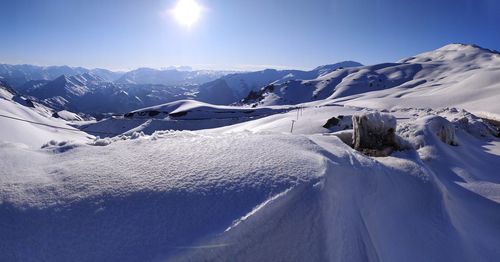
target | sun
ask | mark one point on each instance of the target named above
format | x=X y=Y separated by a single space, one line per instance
x=187 y=12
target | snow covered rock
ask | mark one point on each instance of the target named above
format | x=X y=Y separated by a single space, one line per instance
x=469 y=122
x=374 y=133
x=423 y=131
x=67 y=115
x=443 y=129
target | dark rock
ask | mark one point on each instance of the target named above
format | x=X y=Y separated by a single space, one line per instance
x=153 y=113
x=331 y=122
x=178 y=114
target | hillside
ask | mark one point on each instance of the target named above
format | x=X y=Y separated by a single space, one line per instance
x=234 y=87
x=293 y=197
x=17 y=115
x=179 y=115
x=455 y=75
x=279 y=177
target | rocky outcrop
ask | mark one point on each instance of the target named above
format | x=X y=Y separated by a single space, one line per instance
x=374 y=133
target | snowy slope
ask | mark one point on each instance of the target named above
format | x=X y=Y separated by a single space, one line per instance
x=36 y=135
x=179 y=115
x=266 y=196
x=456 y=75
x=234 y=87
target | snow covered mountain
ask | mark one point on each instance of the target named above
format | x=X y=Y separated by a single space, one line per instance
x=234 y=87
x=91 y=94
x=17 y=75
x=465 y=76
x=281 y=181
x=86 y=93
x=169 y=76
x=454 y=75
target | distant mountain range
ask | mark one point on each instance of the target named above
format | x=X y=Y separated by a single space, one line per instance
x=99 y=91
x=170 y=76
x=454 y=75
x=462 y=75
x=17 y=75
x=91 y=94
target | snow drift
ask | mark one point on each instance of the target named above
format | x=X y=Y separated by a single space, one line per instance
x=191 y=196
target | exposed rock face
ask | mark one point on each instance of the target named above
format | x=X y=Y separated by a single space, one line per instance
x=374 y=133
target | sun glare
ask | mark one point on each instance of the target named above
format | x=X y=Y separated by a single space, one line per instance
x=187 y=12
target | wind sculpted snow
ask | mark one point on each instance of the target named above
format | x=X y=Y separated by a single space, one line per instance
x=161 y=193
x=196 y=196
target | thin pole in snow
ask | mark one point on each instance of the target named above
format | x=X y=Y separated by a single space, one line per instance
x=291 y=130
x=298 y=109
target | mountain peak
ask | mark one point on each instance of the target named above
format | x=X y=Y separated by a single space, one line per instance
x=458 y=47
x=61 y=79
x=457 y=52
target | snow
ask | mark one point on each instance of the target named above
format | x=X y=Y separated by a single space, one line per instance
x=214 y=194
x=379 y=121
x=310 y=120
x=245 y=187
x=35 y=135
x=463 y=76
x=235 y=87
x=169 y=76
x=179 y=115
x=161 y=194
x=17 y=75
x=255 y=202
x=69 y=116
x=428 y=126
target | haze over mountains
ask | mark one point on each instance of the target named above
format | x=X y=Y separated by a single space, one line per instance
x=94 y=91
x=412 y=80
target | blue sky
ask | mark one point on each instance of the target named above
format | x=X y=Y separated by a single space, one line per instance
x=237 y=34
